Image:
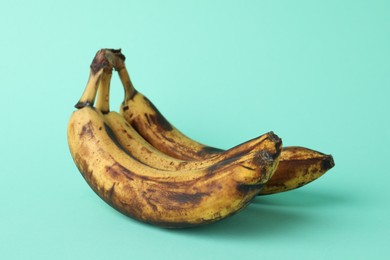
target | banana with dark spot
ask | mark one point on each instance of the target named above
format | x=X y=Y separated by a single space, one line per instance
x=298 y=166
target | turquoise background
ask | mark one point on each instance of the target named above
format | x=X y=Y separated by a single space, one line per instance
x=315 y=72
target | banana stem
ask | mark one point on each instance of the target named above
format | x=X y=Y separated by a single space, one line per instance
x=101 y=71
x=102 y=62
x=90 y=91
x=103 y=100
x=117 y=60
x=126 y=82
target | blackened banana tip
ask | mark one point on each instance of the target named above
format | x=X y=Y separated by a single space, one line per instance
x=278 y=141
x=263 y=158
x=99 y=61
x=328 y=163
x=118 y=53
x=80 y=104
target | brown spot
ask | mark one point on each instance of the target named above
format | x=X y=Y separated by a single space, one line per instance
x=263 y=158
x=158 y=118
x=87 y=130
x=130 y=137
x=187 y=198
x=111 y=191
x=116 y=170
x=112 y=136
x=125 y=108
x=276 y=139
x=328 y=163
x=147 y=118
x=247 y=167
x=245 y=188
x=82 y=164
x=114 y=173
x=220 y=165
x=143 y=148
x=147 y=195
x=208 y=150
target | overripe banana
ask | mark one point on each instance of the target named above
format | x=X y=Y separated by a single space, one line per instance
x=143 y=151
x=298 y=166
x=169 y=198
x=132 y=142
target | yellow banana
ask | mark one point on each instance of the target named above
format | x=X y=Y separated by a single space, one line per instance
x=298 y=166
x=177 y=198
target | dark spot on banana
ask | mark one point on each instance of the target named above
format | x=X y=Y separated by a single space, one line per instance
x=263 y=158
x=274 y=137
x=328 y=163
x=187 y=198
x=125 y=108
x=143 y=148
x=171 y=140
x=209 y=150
x=247 y=167
x=313 y=170
x=87 y=130
x=81 y=164
x=245 y=188
x=130 y=137
x=112 y=136
x=148 y=198
x=111 y=191
x=158 y=118
x=147 y=118
x=220 y=165
x=114 y=173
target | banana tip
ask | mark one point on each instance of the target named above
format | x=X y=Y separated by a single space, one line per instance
x=278 y=142
x=328 y=163
x=81 y=104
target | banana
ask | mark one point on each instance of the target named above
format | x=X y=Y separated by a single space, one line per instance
x=132 y=142
x=143 y=151
x=168 y=198
x=298 y=166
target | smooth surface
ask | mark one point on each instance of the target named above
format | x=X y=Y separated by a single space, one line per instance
x=317 y=73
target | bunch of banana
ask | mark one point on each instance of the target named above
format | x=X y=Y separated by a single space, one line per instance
x=144 y=167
